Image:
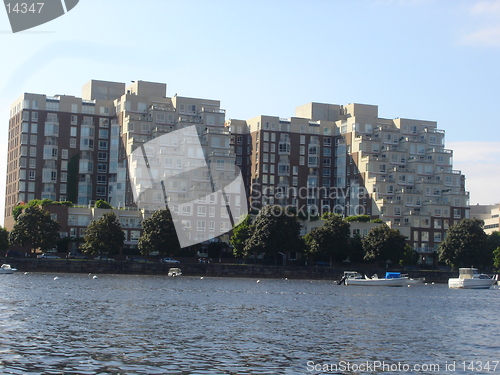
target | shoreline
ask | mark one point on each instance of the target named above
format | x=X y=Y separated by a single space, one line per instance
x=212 y=269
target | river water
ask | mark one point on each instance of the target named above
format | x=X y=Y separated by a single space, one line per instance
x=122 y=324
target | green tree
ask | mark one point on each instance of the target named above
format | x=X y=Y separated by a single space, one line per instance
x=273 y=232
x=466 y=245
x=159 y=234
x=4 y=239
x=496 y=257
x=103 y=236
x=331 y=239
x=383 y=243
x=356 y=252
x=102 y=204
x=494 y=240
x=410 y=256
x=35 y=228
x=240 y=236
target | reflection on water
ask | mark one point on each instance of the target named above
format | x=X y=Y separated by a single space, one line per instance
x=119 y=324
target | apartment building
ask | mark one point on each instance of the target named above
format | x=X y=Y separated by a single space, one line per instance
x=490 y=214
x=346 y=159
x=67 y=148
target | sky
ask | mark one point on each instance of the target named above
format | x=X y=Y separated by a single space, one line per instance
x=430 y=60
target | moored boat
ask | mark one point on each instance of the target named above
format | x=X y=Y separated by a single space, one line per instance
x=7 y=269
x=390 y=279
x=470 y=278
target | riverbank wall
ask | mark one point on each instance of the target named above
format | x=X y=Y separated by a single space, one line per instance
x=211 y=269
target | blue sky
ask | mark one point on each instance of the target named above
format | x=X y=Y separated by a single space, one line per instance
x=430 y=60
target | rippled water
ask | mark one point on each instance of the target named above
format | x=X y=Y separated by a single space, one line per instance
x=118 y=324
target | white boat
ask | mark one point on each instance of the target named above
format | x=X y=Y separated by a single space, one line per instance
x=173 y=272
x=6 y=269
x=390 y=279
x=412 y=281
x=470 y=278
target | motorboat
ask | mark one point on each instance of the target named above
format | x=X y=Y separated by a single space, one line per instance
x=470 y=278
x=390 y=279
x=414 y=281
x=7 y=269
x=173 y=272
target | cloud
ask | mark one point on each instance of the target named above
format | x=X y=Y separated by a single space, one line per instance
x=487 y=33
x=487 y=8
x=478 y=161
x=485 y=37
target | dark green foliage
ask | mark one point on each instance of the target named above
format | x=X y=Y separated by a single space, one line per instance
x=496 y=257
x=358 y=218
x=240 y=236
x=356 y=253
x=4 y=239
x=331 y=239
x=274 y=232
x=377 y=220
x=36 y=229
x=103 y=236
x=466 y=245
x=159 y=234
x=383 y=243
x=102 y=204
x=494 y=240
x=410 y=256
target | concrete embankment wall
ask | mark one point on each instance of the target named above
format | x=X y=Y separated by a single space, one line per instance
x=212 y=269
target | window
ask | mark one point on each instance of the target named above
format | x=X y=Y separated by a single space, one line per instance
x=327 y=142
x=31 y=175
x=101 y=190
x=102 y=156
x=102 y=168
x=64 y=153
x=101 y=179
x=103 y=145
x=220 y=164
x=32 y=163
x=72 y=142
x=104 y=133
x=201 y=225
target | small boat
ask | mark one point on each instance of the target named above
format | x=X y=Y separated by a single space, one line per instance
x=390 y=279
x=414 y=281
x=7 y=269
x=173 y=272
x=470 y=278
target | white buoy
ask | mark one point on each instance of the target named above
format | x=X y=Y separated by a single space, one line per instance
x=94 y=277
x=56 y=278
x=258 y=281
x=201 y=278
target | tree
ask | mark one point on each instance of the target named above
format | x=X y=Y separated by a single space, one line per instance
x=4 y=239
x=494 y=240
x=331 y=239
x=274 y=231
x=102 y=204
x=356 y=252
x=496 y=257
x=240 y=236
x=35 y=228
x=383 y=243
x=410 y=256
x=159 y=234
x=103 y=236
x=466 y=245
